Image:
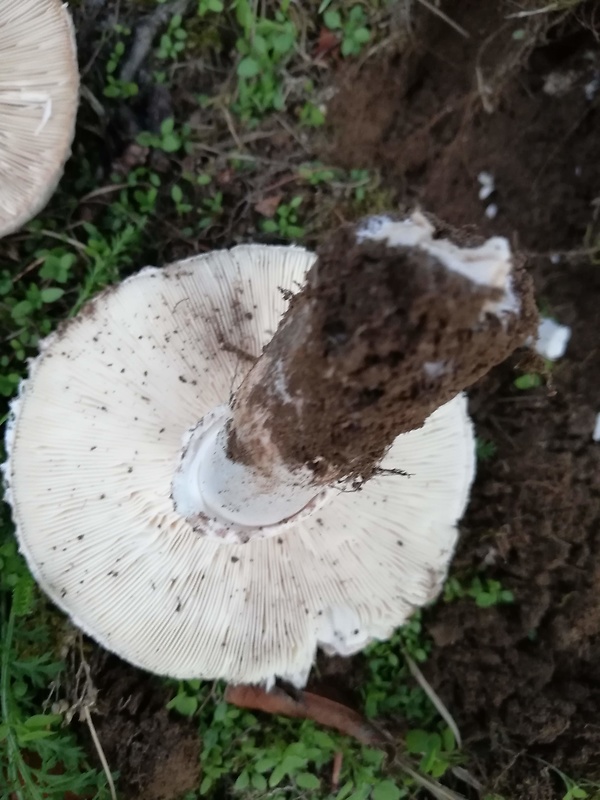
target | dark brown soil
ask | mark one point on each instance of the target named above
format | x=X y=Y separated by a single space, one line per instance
x=522 y=679
x=345 y=370
x=157 y=754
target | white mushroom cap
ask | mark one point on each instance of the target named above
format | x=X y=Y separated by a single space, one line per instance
x=96 y=440
x=39 y=88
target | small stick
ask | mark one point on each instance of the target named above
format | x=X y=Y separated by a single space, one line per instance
x=145 y=33
x=111 y=785
x=338 y=759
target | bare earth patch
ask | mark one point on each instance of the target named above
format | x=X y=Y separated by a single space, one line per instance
x=521 y=679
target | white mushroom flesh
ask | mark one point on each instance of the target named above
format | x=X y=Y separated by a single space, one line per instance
x=490 y=264
x=552 y=339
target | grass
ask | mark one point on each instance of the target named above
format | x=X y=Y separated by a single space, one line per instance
x=209 y=173
x=248 y=756
x=39 y=757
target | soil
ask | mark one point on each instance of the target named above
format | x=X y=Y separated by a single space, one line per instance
x=519 y=99
x=156 y=753
x=521 y=680
x=345 y=371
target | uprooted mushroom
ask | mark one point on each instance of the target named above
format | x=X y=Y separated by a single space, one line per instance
x=211 y=490
x=39 y=93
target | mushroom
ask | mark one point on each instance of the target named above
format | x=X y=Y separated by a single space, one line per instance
x=38 y=104
x=203 y=510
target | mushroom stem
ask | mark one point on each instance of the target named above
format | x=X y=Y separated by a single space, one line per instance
x=391 y=324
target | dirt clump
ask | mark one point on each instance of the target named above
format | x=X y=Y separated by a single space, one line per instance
x=156 y=753
x=424 y=118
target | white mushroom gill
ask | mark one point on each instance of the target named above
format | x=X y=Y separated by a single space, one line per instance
x=96 y=440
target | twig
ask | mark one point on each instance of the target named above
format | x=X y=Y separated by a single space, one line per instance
x=338 y=759
x=64 y=239
x=145 y=33
x=430 y=784
x=545 y=10
x=111 y=785
x=95 y=104
x=435 y=700
x=231 y=127
x=442 y=15
x=28 y=269
x=108 y=189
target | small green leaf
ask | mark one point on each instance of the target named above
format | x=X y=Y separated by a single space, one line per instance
x=283 y=43
x=170 y=143
x=579 y=793
x=40 y=721
x=248 y=68
x=332 y=19
x=264 y=764
x=348 y=47
x=183 y=704
x=221 y=712
x=292 y=763
x=19 y=689
x=448 y=740
x=52 y=294
x=386 y=790
x=361 y=794
x=25 y=737
x=530 y=380
x=324 y=740
x=417 y=741
x=361 y=35
x=277 y=776
x=344 y=791
x=167 y=126
x=305 y=780
x=260 y=46
x=259 y=782
x=21 y=309
x=242 y=782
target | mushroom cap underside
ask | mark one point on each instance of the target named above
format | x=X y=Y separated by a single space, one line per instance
x=39 y=93
x=97 y=435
